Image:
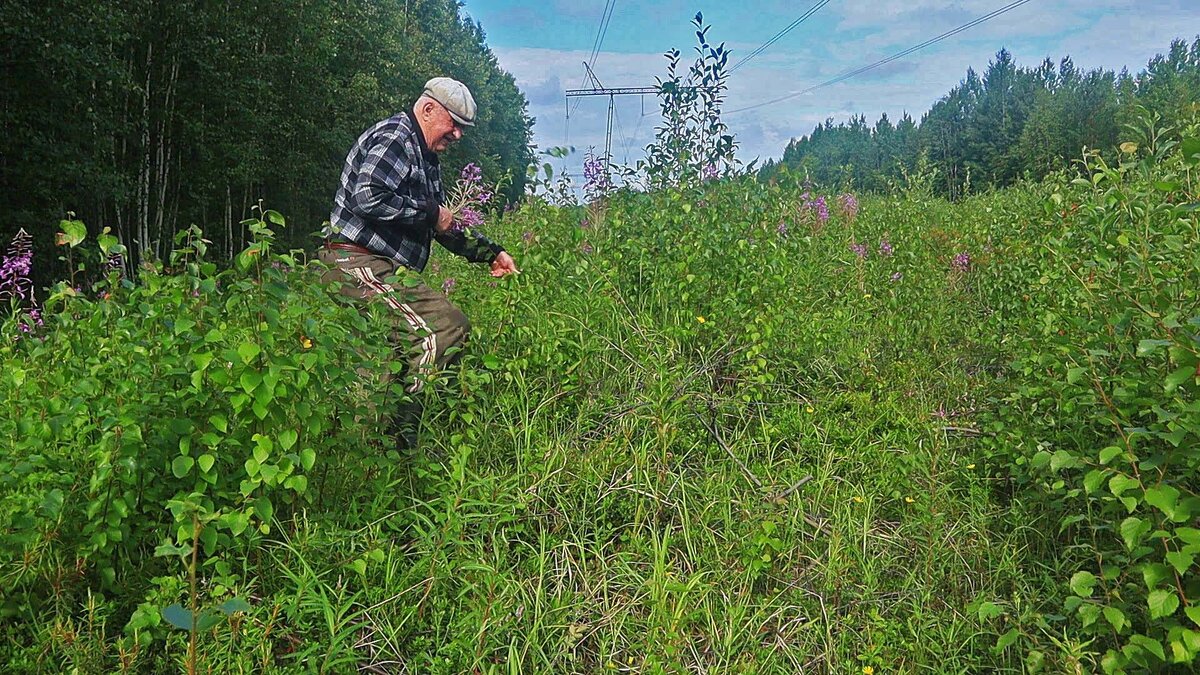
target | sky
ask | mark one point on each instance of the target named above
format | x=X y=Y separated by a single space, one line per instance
x=543 y=44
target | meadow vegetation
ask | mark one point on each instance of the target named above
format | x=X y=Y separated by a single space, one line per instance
x=718 y=425
x=712 y=428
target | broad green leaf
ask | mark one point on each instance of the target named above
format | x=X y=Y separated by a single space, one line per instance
x=263 y=508
x=1154 y=574
x=1133 y=529
x=1116 y=618
x=1181 y=560
x=248 y=350
x=1063 y=460
x=1083 y=584
x=308 y=458
x=73 y=233
x=207 y=620
x=1193 y=613
x=1107 y=454
x=287 y=438
x=179 y=617
x=1163 y=498
x=180 y=466
x=1074 y=375
x=201 y=360
x=297 y=483
x=1162 y=602
x=1178 y=377
x=1148 y=347
x=1007 y=640
x=219 y=423
x=1152 y=646
x=250 y=380
x=1191 y=150
x=234 y=605
x=206 y=462
x=1119 y=483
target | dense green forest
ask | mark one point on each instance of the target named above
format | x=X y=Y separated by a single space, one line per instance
x=147 y=117
x=990 y=131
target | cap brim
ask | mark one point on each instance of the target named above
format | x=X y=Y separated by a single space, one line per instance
x=460 y=120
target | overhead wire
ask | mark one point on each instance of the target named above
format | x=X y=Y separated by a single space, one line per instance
x=899 y=55
x=601 y=32
x=811 y=10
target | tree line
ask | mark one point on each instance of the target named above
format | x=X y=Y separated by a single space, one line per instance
x=147 y=117
x=1011 y=123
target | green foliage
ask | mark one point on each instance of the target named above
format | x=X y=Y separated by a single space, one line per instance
x=1099 y=425
x=996 y=129
x=702 y=431
x=692 y=138
x=191 y=409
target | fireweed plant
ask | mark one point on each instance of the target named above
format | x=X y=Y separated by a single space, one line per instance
x=469 y=198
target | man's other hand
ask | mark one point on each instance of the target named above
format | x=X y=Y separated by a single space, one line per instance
x=445 y=220
x=504 y=265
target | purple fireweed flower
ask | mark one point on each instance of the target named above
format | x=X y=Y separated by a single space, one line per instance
x=897 y=276
x=585 y=224
x=15 y=267
x=782 y=229
x=468 y=218
x=709 y=172
x=848 y=205
x=595 y=175
x=586 y=248
x=448 y=285
x=814 y=209
x=471 y=173
x=484 y=197
x=961 y=262
x=860 y=250
x=885 y=248
x=822 y=209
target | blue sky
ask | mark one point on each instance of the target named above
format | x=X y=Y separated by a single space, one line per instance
x=543 y=44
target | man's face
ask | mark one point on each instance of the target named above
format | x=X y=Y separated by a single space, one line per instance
x=440 y=128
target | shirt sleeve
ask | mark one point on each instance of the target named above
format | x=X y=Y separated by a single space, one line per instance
x=470 y=244
x=389 y=187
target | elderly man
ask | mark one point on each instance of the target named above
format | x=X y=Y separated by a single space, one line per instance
x=386 y=213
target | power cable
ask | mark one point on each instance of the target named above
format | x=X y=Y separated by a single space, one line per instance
x=812 y=10
x=605 y=20
x=859 y=71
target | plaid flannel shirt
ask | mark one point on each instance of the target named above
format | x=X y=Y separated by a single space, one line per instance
x=389 y=195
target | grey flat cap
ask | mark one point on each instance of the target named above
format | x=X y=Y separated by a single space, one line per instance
x=455 y=96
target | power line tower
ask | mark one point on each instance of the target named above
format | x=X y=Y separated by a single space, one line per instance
x=599 y=90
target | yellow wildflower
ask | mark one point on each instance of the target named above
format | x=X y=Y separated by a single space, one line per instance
x=858 y=500
x=700 y=319
x=909 y=500
x=305 y=342
x=809 y=409
x=868 y=670
x=970 y=466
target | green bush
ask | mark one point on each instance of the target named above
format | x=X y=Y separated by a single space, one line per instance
x=178 y=416
x=1099 y=425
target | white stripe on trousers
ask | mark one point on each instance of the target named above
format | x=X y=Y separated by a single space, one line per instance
x=428 y=343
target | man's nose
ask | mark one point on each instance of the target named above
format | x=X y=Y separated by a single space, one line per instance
x=457 y=132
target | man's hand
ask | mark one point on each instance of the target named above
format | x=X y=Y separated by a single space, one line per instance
x=504 y=265
x=445 y=220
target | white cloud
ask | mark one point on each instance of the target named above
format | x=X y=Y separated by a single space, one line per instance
x=1095 y=33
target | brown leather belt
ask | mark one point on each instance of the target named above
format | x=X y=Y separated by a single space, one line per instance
x=347 y=246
